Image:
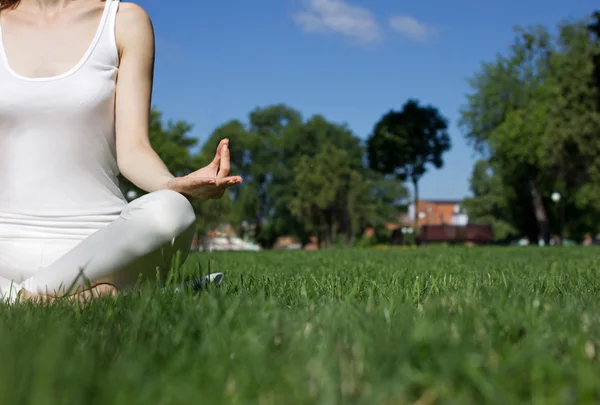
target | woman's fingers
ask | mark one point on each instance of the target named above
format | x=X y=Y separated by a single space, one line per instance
x=208 y=183
x=222 y=185
x=205 y=187
x=228 y=181
x=189 y=183
x=225 y=163
x=217 y=160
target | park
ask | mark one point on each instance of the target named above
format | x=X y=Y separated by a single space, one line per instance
x=366 y=308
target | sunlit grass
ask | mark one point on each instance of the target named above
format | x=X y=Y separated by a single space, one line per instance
x=444 y=325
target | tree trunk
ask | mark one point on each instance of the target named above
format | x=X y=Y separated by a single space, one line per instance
x=346 y=228
x=416 y=225
x=257 y=221
x=329 y=229
x=541 y=215
x=349 y=236
x=322 y=231
x=257 y=228
x=333 y=230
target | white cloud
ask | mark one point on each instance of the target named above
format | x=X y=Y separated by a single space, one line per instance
x=337 y=16
x=412 y=28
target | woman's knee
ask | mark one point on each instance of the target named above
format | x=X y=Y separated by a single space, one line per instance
x=171 y=213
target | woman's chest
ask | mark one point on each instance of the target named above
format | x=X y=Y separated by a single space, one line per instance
x=75 y=97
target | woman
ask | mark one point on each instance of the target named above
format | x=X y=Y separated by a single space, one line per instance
x=75 y=93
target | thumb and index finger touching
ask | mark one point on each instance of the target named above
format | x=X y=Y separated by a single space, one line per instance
x=223 y=178
x=217 y=159
x=222 y=165
x=225 y=161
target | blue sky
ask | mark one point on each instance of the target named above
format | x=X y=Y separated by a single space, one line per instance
x=349 y=60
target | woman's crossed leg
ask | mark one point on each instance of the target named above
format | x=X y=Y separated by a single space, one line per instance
x=145 y=238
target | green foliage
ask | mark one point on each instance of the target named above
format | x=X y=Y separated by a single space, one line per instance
x=573 y=132
x=326 y=190
x=508 y=113
x=390 y=197
x=276 y=153
x=490 y=203
x=303 y=178
x=534 y=114
x=319 y=181
x=404 y=143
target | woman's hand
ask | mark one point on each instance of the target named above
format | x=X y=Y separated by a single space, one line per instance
x=211 y=181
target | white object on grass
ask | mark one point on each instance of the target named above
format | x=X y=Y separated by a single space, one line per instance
x=202 y=282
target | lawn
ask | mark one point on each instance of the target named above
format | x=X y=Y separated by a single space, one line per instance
x=425 y=326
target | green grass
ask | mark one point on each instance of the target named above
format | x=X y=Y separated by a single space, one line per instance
x=440 y=326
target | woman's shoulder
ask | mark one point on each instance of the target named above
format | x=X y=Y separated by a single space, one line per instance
x=134 y=27
x=133 y=12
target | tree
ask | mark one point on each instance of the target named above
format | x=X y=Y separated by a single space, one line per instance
x=380 y=200
x=336 y=201
x=594 y=28
x=319 y=183
x=508 y=110
x=268 y=152
x=534 y=115
x=256 y=155
x=491 y=202
x=278 y=154
x=573 y=140
x=311 y=137
x=262 y=163
x=308 y=140
x=404 y=143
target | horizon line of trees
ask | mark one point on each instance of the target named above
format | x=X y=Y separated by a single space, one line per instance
x=533 y=115
x=309 y=177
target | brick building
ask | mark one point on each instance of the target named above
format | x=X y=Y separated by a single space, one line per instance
x=438 y=212
x=440 y=221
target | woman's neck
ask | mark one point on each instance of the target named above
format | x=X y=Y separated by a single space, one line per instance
x=47 y=6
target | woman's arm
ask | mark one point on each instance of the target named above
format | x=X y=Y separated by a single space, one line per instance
x=137 y=161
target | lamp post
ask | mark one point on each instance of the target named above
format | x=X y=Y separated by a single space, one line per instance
x=556 y=198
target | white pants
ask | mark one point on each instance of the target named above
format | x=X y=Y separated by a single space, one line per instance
x=144 y=238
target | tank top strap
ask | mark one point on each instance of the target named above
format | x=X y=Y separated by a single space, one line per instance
x=4 y=71
x=106 y=50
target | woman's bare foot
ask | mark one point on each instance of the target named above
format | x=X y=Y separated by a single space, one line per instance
x=25 y=295
x=100 y=290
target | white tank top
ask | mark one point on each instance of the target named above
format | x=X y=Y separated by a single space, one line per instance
x=57 y=137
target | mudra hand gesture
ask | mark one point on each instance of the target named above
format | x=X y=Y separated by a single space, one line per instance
x=211 y=181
